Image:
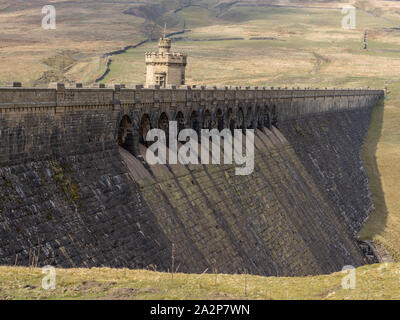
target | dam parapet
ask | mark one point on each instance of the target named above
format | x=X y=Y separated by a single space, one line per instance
x=19 y=94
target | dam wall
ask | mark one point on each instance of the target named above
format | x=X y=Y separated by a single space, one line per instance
x=73 y=195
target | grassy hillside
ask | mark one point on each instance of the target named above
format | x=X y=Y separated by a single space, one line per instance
x=372 y=282
x=89 y=28
x=382 y=159
x=279 y=46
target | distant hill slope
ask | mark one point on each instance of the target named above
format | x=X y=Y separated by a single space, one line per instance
x=91 y=29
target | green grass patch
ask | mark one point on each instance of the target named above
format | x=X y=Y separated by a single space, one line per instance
x=372 y=282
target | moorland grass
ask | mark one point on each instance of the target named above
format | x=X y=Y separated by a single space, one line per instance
x=372 y=282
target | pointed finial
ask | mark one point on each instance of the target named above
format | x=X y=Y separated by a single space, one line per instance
x=165 y=29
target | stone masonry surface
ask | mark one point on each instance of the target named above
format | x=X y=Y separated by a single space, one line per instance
x=72 y=196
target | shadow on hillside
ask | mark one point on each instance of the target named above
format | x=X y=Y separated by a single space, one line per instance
x=376 y=223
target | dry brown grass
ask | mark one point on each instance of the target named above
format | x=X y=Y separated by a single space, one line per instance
x=383 y=167
x=84 y=26
x=372 y=282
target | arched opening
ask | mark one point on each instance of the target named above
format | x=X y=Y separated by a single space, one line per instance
x=249 y=118
x=230 y=122
x=125 y=128
x=240 y=119
x=274 y=117
x=144 y=127
x=220 y=120
x=163 y=124
x=180 y=119
x=125 y=134
x=259 y=120
x=266 y=117
x=267 y=121
x=207 y=120
x=194 y=121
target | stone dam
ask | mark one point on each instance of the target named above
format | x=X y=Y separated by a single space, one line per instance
x=76 y=191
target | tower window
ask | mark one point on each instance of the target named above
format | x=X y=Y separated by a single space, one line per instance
x=160 y=80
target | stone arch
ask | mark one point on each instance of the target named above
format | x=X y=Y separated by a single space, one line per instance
x=230 y=120
x=249 y=118
x=180 y=119
x=144 y=127
x=240 y=119
x=125 y=126
x=163 y=124
x=219 y=120
x=207 y=124
x=274 y=116
x=258 y=118
x=194 y=122
x=266 y=117
x=125 y=134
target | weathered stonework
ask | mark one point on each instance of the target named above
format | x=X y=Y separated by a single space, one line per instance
x=67 y=188
x=164 y=67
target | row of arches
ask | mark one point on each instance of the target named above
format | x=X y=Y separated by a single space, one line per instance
x=129 y=132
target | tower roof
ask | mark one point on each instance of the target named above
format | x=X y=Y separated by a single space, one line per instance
x=164 y=45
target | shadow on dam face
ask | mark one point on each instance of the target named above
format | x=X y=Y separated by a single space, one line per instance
x=276 y=221
x=340 y=157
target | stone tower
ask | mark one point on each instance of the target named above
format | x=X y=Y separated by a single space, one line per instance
x=165 y=67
